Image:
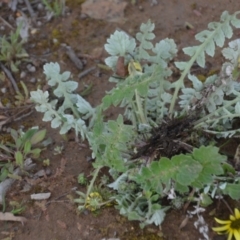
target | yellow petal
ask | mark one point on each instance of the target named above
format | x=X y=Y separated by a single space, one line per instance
x=236 y=234
x=222 y=221
x=232 y=218
x=219 y=229
x=237 y=213
x=230 y=236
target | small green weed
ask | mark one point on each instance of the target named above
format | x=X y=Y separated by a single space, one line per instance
x=18 y=208
x=22 y=99
x=23 y=146
x=82 y=179
x=58 y=150
x=57 y=7
x=12 y=51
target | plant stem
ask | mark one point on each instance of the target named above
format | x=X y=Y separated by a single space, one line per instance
x=227 y=205
x=92 y=182
x=139 y=108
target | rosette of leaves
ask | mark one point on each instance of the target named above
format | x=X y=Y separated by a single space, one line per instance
x=23 y=146
x=12 y=51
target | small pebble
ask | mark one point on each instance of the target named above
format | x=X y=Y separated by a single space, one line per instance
x=33 y=45
x=48 y=171
x=3 y=90
x=40 y=6
x=33 y=80
x=23 y=74
x=34 y=31
x=2 y=28
x=83 y=16
x=39 y=23
x=31 y=68
x=55 y=41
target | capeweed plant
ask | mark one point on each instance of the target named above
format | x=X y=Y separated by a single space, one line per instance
x=151 y=97
x=12 y=51
x=56 y=7
x=23 y=146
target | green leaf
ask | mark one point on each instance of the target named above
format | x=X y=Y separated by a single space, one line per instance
x=38 y=137
x=228 y=168
x=19 y=158
x=219 y=38
x=6 y=149
x=211 y=162
x=210 y=158
x=201 y=59
x=120 y=44
x=157 y=217
x=226 y=28
x=210 y=49
x=190 y=51
x=35 y=152
x=233 y=190
x=19 y=143
x=165 y=49
x=203 y=35
x=205 y=200
x=165 y=168
x=187 y=169
x=27 y=147
x=28 y=134
x=134 y=216
x=143 y=37
x=235 y=21
x=14 y=134
x=181 y=188
x=181 y=65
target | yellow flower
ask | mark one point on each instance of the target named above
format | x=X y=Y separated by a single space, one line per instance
x=93 y=201
x=230 y=227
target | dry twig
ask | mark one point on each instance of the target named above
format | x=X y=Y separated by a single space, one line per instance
x=11 y=78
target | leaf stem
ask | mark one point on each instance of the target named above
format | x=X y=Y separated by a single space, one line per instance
x=140 y=112
x=89 y=189
x=180 y=82
x=207 y=118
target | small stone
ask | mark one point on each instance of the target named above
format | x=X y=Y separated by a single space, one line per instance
x=2 y=28
x=31 y=68
x=3 y=90
x=55 y=41
x=33 y=80
x=39 y=23
x=40 y=196
x=32 y=45
x=40 y=6
x=34 y=31
x=83 y=16
x=48 y=171
x=40 y=173
x=23 y=74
